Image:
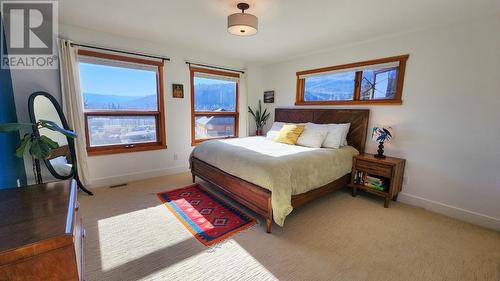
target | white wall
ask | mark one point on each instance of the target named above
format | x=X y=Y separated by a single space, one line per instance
x=121 y=168
x=448 y=127
x=256 y=92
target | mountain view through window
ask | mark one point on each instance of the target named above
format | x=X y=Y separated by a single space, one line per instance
x=113 y=89
x=108 y=87
x=214 y=94
x=378 y=81
x=336 y=86
x=214 y=106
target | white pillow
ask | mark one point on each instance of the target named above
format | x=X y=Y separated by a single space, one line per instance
x=313 y=136
x=334 y=137
x=275 y=129
x=346 y=127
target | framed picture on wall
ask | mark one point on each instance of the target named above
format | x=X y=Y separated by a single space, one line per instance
x=178 y=91
x=269 y=96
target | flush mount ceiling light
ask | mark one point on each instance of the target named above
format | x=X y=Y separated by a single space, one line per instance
x=242 y=24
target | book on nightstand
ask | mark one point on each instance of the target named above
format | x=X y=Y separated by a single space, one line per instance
x=373 y=182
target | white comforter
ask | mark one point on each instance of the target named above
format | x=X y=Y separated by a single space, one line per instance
x=283 y=169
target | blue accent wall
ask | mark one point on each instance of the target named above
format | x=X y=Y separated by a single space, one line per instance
x=11 y=167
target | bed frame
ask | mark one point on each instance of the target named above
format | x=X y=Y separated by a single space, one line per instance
x=257 y=198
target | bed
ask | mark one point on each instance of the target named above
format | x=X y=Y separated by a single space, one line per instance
x=272 y=165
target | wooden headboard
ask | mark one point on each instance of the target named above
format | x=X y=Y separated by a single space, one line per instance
x=357 y=117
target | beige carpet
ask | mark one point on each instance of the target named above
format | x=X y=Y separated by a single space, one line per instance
x=132 y=236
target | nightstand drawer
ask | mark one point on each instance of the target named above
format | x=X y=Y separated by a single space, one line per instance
x=373 y=168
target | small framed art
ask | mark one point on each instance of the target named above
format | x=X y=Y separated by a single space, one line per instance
x=269 y=97
x=178 y=91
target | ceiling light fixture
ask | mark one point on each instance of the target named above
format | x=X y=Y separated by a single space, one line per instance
x=242 y=24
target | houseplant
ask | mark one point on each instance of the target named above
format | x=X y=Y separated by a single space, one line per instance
x=259 y=117
x=38 y=146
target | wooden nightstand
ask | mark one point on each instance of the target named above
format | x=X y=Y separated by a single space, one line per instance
x=367 y=169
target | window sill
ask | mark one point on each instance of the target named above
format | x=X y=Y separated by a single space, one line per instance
x=351 y=102
x=97 y=151
x=196 y=142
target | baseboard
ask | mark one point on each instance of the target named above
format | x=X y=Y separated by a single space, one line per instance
x=125 y=178
x=451 y=211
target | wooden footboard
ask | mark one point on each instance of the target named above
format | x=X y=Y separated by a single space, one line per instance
x=253 y=196
x=250 y=195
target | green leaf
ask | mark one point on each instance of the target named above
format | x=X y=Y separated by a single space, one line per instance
x=35 y=149
x=23 y=146
x=251 y=112
x=267 y=117
x=52 y=144
x=12 y=127
x=39 y=150
x=264 y=115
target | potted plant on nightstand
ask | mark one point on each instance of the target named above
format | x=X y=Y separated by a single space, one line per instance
x=260 y=118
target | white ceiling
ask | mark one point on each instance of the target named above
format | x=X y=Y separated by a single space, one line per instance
x=286 y=27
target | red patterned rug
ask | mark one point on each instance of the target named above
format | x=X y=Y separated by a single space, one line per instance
x=208 y=217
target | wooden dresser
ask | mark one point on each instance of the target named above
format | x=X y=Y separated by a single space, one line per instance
x=41 y=233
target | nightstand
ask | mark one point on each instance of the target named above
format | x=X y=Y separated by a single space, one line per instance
x=382 y=177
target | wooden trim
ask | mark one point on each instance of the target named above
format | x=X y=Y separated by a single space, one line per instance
x=357 y=85
x=121 y=113
x=299 y=99
x=234 y=113
x=102 y=55
x=213 y=71
x=159 y=114
x=115 y=149
x=355 y=64
x=215 y=113
x=161 y=107
x=198 y=141
x=300 y=89
x=193 y=120
x=401 y=78
x=351 y=102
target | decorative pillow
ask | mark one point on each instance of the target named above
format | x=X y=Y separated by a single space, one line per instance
x=290 y=133
x=334 y=137
x=275 y=129
x=313 y=136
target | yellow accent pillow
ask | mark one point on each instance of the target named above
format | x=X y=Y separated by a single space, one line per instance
x=289 y=133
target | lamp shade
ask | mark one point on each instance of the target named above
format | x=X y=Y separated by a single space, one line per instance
x=242 y=24
x=382 y=133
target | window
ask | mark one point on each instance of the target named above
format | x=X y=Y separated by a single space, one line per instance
x=370 y=82
x=214 y=104
x=123 y=103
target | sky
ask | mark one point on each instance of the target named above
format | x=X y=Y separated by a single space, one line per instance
x=111 y=80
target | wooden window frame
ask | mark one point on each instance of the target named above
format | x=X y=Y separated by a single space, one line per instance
x=234 y=114
x=159 y=115
x=299 y=99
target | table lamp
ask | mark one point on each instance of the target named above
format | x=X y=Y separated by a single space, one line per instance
x=381 y=134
